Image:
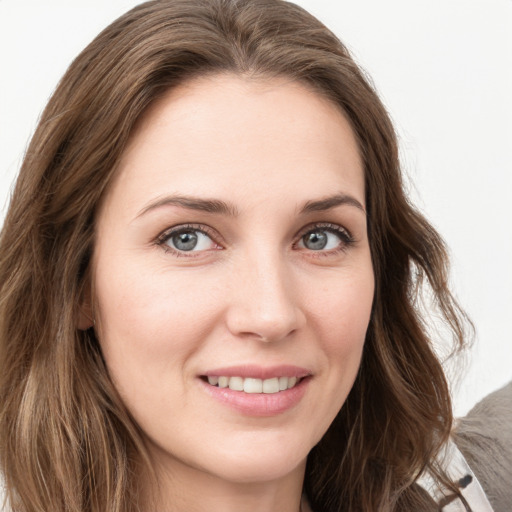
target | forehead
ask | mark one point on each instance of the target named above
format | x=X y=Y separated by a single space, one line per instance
x=225 y=134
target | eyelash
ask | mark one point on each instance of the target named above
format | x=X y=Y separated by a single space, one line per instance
x=164 y=237
x=346 y=239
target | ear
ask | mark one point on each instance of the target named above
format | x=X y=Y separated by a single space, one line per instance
x=85 y=316
x=85 y=320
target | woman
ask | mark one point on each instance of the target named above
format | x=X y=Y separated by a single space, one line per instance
x=210 y=278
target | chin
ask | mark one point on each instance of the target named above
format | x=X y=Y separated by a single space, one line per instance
x=260 y=471
x=258 y=463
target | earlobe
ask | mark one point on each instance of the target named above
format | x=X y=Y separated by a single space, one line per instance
x=85 y=313
x=85 y=318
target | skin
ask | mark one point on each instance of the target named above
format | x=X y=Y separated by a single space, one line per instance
x=253 y=291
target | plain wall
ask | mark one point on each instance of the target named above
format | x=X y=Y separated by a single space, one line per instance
x=443 y=69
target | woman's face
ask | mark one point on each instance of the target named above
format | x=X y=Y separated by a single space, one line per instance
x=232 y=275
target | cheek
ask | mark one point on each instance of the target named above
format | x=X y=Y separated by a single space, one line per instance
x=342 y=316
x=147 y=322
x=150 y=304
x=148 y=331
x=342 y=307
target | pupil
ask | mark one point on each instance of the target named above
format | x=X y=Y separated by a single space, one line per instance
x=185 y=241
x=315 y=241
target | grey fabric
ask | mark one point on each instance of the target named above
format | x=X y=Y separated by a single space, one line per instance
x=484 y=437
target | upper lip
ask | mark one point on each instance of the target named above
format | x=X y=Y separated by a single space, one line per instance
x=259 y=372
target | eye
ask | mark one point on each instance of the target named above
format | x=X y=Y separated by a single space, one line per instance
x=187 y=239
x=325 y=238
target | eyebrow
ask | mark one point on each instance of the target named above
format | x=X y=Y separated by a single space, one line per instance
x=193 y=203
x=332 y=202
x=217 y=206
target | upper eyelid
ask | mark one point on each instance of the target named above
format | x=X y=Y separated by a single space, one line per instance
x=324 y=225
x=203 y=228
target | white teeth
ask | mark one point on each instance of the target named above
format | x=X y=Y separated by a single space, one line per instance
x=253 y=386
x=236 y=383
x=250 y=385
x=271 y=385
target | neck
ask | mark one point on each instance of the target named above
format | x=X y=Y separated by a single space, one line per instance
x=182 y=488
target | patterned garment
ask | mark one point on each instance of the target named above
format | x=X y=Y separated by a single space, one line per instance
x=459 y=471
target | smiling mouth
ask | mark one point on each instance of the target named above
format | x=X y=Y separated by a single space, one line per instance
x=252 y=385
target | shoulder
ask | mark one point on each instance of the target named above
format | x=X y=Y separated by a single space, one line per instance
x=478 y=458
x=484 y=437
x=3 y=505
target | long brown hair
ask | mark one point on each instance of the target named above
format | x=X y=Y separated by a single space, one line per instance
x=66 y=441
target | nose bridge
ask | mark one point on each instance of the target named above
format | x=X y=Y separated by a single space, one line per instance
x=263 y=303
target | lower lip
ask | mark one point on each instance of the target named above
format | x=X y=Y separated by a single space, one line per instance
x=259 y=404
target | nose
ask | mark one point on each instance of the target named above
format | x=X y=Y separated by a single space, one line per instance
x=263 y=302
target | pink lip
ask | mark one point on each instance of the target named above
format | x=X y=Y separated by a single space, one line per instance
x=259 y=404
x=259 y=372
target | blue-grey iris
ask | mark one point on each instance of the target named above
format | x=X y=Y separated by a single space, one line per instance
x=315 y=241
x=185 y=241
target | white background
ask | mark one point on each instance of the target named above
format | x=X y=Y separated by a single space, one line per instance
x=444 y=71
